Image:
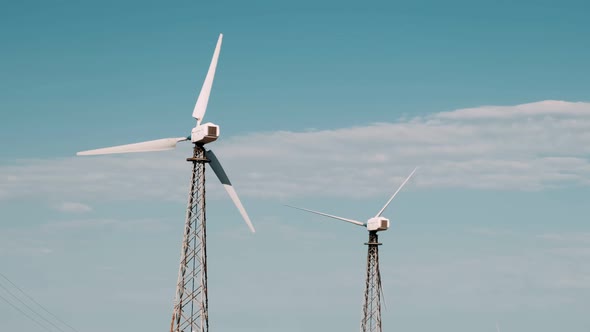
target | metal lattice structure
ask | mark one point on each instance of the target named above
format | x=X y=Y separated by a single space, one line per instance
x=191 y=306
x=371 y=321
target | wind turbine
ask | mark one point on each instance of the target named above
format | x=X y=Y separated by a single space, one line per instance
x=371 y=320
x=191 y=304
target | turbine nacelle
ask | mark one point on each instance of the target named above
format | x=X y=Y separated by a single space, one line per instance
x=205 y=133
x=377 y=224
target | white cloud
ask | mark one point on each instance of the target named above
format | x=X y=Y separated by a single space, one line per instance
x=78 y=224
x=489 y=232
x=492 y=152
x=73 y=207
x=567 y=238
x=144 y=224
x=529 y=277
x=52 y=236
x=24 y=251
x=542 y=108
x=524 y=147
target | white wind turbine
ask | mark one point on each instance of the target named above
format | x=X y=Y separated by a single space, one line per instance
x=371 y=320
x=191 y=303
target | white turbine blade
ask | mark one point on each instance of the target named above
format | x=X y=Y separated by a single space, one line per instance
x=397 y=191
x=329 y=215
x=156 y=145
x=218 y=170
x=201 y=105
x=497 y=327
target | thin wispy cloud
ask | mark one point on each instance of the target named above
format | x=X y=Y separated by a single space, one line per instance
x=73 y=207
x=529 y=278
x=583 y=237
x=555 y=108
x=490 y=232
x=526 y=147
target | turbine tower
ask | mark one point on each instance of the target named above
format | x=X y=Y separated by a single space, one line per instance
x=371 y=316
x=190 y=313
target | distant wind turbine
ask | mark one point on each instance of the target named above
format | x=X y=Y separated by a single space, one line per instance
x=371 y=321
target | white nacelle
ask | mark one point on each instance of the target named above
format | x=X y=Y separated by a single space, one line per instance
x=205 y=133
x=378 y=224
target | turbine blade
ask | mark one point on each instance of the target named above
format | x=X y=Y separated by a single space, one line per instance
x=155 y=145
x=397 y=191
x=220 y=173
x=201 y=105
x=497 y=327
x=352 y=221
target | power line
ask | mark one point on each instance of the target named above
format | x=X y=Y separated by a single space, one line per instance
x=31 y=309
x=24 y=313
x=37 y=303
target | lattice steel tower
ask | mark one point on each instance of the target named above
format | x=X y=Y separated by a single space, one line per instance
x=190 y=305
x=371 y=321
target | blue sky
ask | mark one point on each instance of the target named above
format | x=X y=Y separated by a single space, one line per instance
x=327 y=105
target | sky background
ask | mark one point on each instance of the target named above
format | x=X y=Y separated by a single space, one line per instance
x=322 y=104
